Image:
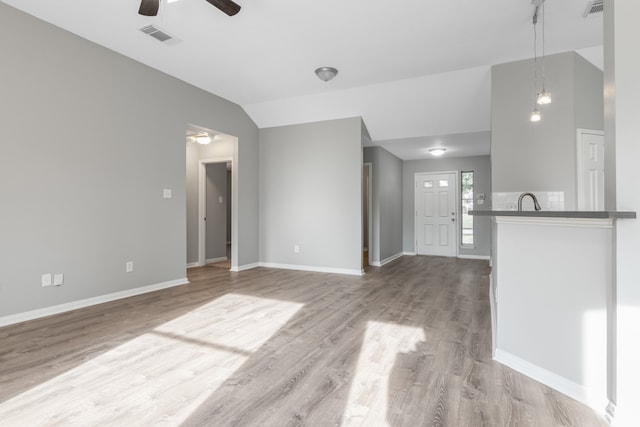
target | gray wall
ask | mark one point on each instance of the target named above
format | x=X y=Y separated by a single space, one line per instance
x=541 y=156
x=481 y=166
x=88 y=141
x=216 y=212
x=311 y=194
x=386 y=198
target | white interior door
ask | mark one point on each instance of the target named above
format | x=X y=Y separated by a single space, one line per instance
x=436 y=214
x=590 y=170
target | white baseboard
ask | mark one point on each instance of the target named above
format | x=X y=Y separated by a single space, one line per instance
x=409 y=253
x=597 y=401
x=624 y=414
x=245 y=267
x=483 y=257
x=214 y=260
x=193 y=264
x=75 y=305
x=387 y=260
x=312 y=268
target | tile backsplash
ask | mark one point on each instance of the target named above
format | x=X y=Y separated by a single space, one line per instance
x=549 y=201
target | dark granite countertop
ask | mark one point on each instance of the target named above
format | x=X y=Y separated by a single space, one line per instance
x=558 y=214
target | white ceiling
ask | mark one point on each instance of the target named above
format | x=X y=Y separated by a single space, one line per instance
x=412 y=69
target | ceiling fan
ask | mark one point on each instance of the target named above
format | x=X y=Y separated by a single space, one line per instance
x=150 y=7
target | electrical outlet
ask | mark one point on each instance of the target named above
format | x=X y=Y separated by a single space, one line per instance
x=129 y=266
x=46 y=280
x=58 y=279
x=296 y=248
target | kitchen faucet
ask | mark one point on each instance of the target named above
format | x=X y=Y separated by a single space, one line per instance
x=536 y=205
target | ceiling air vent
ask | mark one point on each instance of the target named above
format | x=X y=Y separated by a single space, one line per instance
x=159 y=34
x=594 y=7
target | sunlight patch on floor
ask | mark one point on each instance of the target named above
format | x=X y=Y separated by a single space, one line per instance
x=158 y=378
x=383 y=343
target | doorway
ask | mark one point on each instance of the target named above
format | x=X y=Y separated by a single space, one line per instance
x=220 y=150
x=213 y=202
x=436 y=216
x=217 y=202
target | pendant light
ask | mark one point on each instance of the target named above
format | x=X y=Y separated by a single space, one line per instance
x=535 y=114
x=544 y=97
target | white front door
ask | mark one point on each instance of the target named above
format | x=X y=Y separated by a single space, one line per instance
x=590 y=170
x=436 y=214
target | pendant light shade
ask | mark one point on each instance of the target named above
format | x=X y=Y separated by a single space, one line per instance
x=535 y=116
x=544 y=97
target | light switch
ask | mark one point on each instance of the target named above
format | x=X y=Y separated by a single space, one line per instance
x=166 y=193
x=46 y=280
x=58 y=279
x=220 y=199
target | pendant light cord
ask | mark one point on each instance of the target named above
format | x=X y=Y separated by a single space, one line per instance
x=543 y=61
x=535 y=56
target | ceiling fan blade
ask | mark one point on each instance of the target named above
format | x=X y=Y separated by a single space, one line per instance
x=227 y=6
x=149 y=7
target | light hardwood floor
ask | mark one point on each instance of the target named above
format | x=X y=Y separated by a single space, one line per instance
x=408 y=344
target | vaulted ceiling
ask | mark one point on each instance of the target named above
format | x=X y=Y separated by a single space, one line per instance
x=417 y=71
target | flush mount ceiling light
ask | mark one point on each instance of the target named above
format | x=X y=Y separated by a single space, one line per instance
x=203 y=139
x=437 y=151
x=326 y=73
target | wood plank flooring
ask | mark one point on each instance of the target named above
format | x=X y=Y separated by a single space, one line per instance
x=408 y=344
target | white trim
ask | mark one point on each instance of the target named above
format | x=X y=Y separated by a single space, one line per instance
x=219 y=259
x=555 y=381
x=312 y=268
x=409 y=253
x=245 y=267
x=75 y=305
x=369 y=212
x=610 y=413
x=387 y=260
x=484 y=257
x=561 y=222
x=193 y=264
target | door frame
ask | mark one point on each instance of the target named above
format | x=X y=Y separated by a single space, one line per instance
x=456 y=207
x=369 y=169
x=202 y=207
